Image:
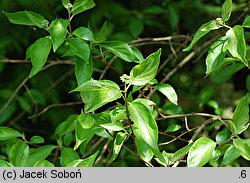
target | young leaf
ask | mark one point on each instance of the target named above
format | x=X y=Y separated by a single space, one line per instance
x=87 y=162
x=58 y=32
x=102 y=34
x=65 y=3
x=83 y=71
x=82 y=5
x=144 y=72
x=39 y=153
x=84 y=33
x=112 y=127
x=181 y=152
x=216 y=55
x=19 y=154
x=243 y=146
x=144 y=123
x=200 y=152
x=39 y=54
x=241 y=116
x=95 y=93
x=143 y=148
x=36 y=139
x=236 y=43
x=44 y=163
x=22 y=18
x=230 y=156
x=227 y=8
x=67 y=156
x=80 y=48
x=173 y=128
x=203 y=30
x=119 y=139
x=7 y=133
x=5 y=164
x=37 y=19
x=246 y=22
x=168 y=91
x=120 y=49
x=66 y=126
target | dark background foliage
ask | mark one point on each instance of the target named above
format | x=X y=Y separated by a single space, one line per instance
x=127 y=21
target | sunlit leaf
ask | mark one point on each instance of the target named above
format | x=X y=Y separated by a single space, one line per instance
x=203 y=30
x=83 y=70
x=87 y=162
x=119 y=139
x=80 y=6
x=168 y=91
x=67 y=156
x=144 y=72
x=36 y=139
x=7 y=133
x=246 y=22
x=243 y=146
x=200 y=152
x=84 y=33
x=227 y=8
x=37 y=19
x=19 y=154
x=5 y=164
x=230 y=156
x=44 y=163
x=39 y=54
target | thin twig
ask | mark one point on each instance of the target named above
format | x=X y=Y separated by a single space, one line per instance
x=172 y=136
x=106 y=68
x=55 y=105
x=102 y=153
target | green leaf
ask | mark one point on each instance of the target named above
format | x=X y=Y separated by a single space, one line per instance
x=181 y=152
x=236 y=43
x=135 y=26
x=82 y=5
x=87 y=162
x=22 y=18
x=66 y=126
x=222 y=136
x=203 y=30
x=243 y=146
x=144 y=72
x=84 y=33
x=173 y=128
x=7 y=133
x=230 y=156
x=85 y=127
x=19 y=154
x=37 y=19
x=102 y=34
x=24 y=104
x=38 y=154
x=39 y=54
x=36 y=139
x=200 y=152
x=227 y=8
x=83 y=70
x=58 y=32
x=246 y=22
x=80 y=48
x=112 y=127
x=66 y=3
x=5 y=164
x=144 y=124
x=168 y=91
x=67 y=156
x=44 y=163
x=241 y=116
x=95 y=93
x=216 y=55
x=119 y=139
x=120 y=49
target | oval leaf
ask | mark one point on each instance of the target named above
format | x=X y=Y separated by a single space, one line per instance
x=227 y=8
x=87 y=162
x=67 y=156
x=39 y=54
x=244 y=147
x=144 y=72
x=168 y=91
x=36 y=140
x=44 y=163
x=38 y=154
x=84 y=33
x=80 y=48
x=119 y=139
x=83 y=70
x=5 y=164
x=95 y=93
x=58 y=32
x=82 y=5
x=200 y=152
x=7 y=133
x=230 y=156
x=236 y=43
x=144 y=124
x=37 y=19
x=241 y=116
x=202 y=31
x=246 y=22
x=19 y=154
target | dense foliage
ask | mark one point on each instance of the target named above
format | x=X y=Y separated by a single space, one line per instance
x=109 y=83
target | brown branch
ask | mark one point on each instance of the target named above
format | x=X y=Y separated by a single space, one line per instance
x=106 y=68
x=173 y=136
